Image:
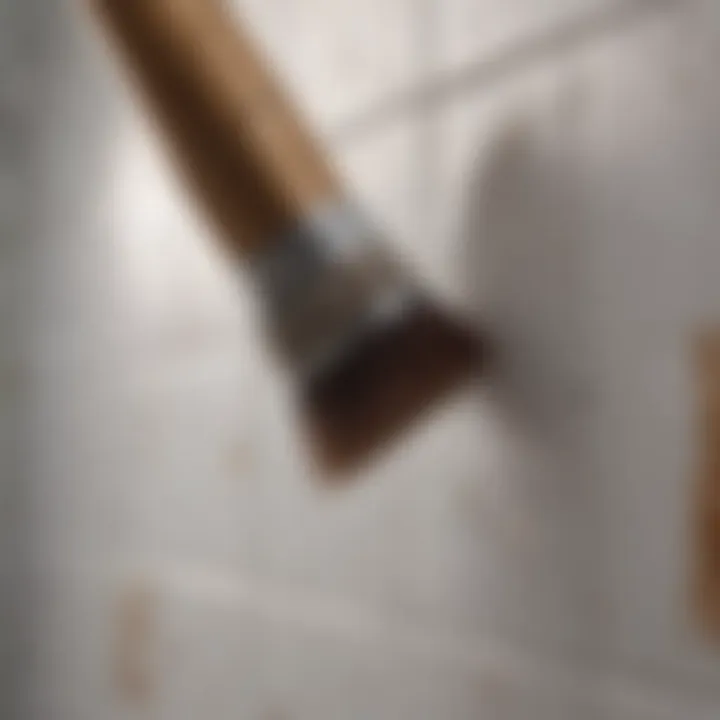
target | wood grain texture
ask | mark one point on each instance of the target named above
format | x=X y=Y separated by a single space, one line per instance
x=236 y=137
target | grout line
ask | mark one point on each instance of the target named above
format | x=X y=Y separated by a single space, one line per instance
x=487 y=72
x=590 y=688
x=608 y=685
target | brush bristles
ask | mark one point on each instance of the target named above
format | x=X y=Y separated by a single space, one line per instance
x=376 y=391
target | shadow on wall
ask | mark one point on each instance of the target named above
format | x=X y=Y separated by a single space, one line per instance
x=525 y=274
x=524 y=255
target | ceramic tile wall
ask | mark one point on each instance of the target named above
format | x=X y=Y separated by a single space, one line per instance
x=536 y=162
x=21 y=67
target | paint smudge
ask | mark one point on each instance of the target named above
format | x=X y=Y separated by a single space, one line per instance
x=134 y=643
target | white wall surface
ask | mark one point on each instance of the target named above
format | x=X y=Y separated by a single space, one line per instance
x=551 y=168
x=21 y=66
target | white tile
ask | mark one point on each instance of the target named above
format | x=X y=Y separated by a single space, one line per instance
x=521 y=32
x=379 y=170
x=144 y=402
x=211 y=660
x=222 y=653
x=200 y=472
x=653 y=175
x=71 y=628
x=591 y=224
x=168 y=461
x=451 y=532
x=337 y=56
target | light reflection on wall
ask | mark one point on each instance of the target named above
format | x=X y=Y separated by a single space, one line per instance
x=171 y=270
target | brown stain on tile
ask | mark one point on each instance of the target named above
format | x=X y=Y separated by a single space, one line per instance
x=135 y=638
x=706 y=505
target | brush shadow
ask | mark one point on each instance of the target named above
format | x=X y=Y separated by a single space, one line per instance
x=525 y=276
x=524 y=256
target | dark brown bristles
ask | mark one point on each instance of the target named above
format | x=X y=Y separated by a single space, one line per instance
x=388 y=381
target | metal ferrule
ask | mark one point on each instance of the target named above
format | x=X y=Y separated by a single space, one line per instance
x=325 y=285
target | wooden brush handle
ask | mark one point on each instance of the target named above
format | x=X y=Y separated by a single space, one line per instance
x=237 y=139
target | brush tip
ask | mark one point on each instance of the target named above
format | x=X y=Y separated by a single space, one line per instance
x=388 y=381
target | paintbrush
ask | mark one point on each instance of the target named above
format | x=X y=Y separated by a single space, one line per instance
x=367 y=348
